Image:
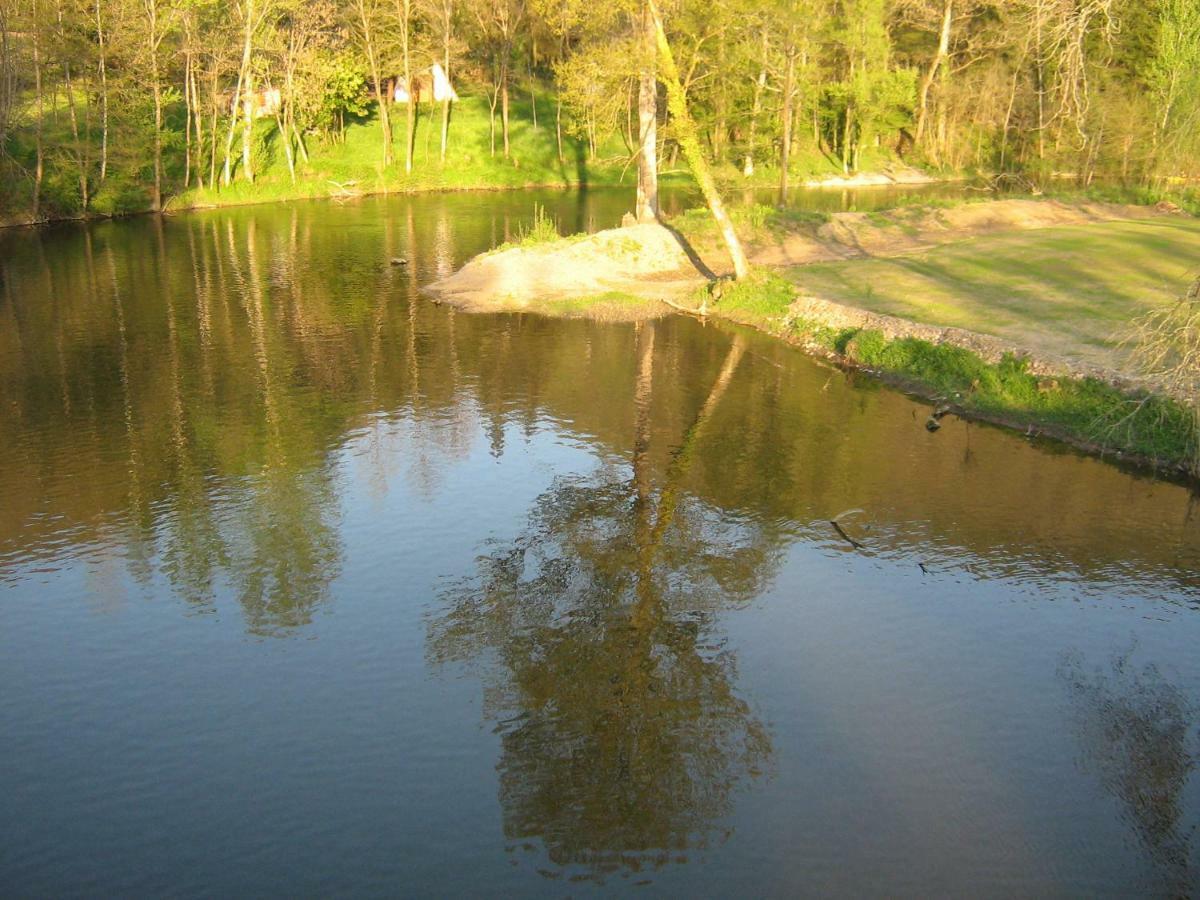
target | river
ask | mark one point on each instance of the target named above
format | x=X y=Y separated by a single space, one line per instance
x=311 y=586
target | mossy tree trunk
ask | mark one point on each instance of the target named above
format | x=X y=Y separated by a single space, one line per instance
x=688 y=138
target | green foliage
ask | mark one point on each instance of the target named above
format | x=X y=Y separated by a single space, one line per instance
x=594 y=90
x=1173 y=72
x=762 y=297
x=542 y=230
x=1086 y=409
x=1119 y=93
x=340 y=94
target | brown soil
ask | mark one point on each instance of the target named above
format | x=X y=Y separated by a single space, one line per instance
x=901 y=231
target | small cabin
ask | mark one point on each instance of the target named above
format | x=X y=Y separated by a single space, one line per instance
x=432 y=85
x=257 y=104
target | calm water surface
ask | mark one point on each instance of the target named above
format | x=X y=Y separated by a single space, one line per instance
x=308 y=585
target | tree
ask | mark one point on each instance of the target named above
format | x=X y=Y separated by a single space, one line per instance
x=1173 y=74
x=441 y=15
x=498 y=23
x=647 y=184
x=689 y=141
x=368 y=18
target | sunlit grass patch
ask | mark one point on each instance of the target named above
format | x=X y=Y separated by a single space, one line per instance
x=610 y=306
x=1087 y=409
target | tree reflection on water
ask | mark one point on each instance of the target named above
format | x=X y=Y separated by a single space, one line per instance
x=623 y=737
x=1137 y=734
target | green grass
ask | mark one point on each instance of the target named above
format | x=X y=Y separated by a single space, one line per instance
x=543 y=230
x=762 y=299
x=356 y=165
x=353 y=166
x=608 y=306
x=1086 y=411
x=1069 y=291
x=750 y=219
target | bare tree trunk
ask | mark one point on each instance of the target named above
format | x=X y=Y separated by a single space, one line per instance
x=102 y=47
x=76 y=144
x=287 y=145
x=492 y=101
x=385 y=122
x=8 y=80
x=198 y=115
x=158 y=120
x=1039 y=74
x=939 y=60
x=785 y=149
x=760 y=85
x=212 y=150
x=504 y=99
x=847 y=124
x=404 y=19
x=300 y=148
x=558 y=124
x=39 y=149
x=532 y=94
x=647 y=183
x=447 y=14
x=248 y=129
x=187 y=128
x=689 y=140
x=240 y=90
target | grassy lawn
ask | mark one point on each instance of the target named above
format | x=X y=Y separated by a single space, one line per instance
x=1068 y=291
x=357 y=164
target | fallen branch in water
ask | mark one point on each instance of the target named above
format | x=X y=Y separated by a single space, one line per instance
x=851 y=541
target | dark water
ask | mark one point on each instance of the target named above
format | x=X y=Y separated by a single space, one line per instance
x=309 y=586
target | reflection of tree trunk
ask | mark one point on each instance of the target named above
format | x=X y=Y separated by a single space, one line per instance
x=137 y=506
x=683 y=456
x=650 y=536
x=641 y=404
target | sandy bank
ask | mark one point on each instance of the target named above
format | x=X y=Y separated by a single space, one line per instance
x=887 y=178
x=655 y=262
x=1041 y=388
x=642 y=261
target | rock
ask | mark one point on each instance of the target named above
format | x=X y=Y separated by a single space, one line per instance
x=399 y=261
x=1166 y=206
x=932 y=424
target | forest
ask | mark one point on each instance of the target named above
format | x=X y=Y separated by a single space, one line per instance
x=113 y=106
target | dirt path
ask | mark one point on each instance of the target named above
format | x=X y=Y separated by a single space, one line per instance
x=912 y=230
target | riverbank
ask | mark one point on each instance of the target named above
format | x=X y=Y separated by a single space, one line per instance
x=1058 y=385
x=350 y=164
